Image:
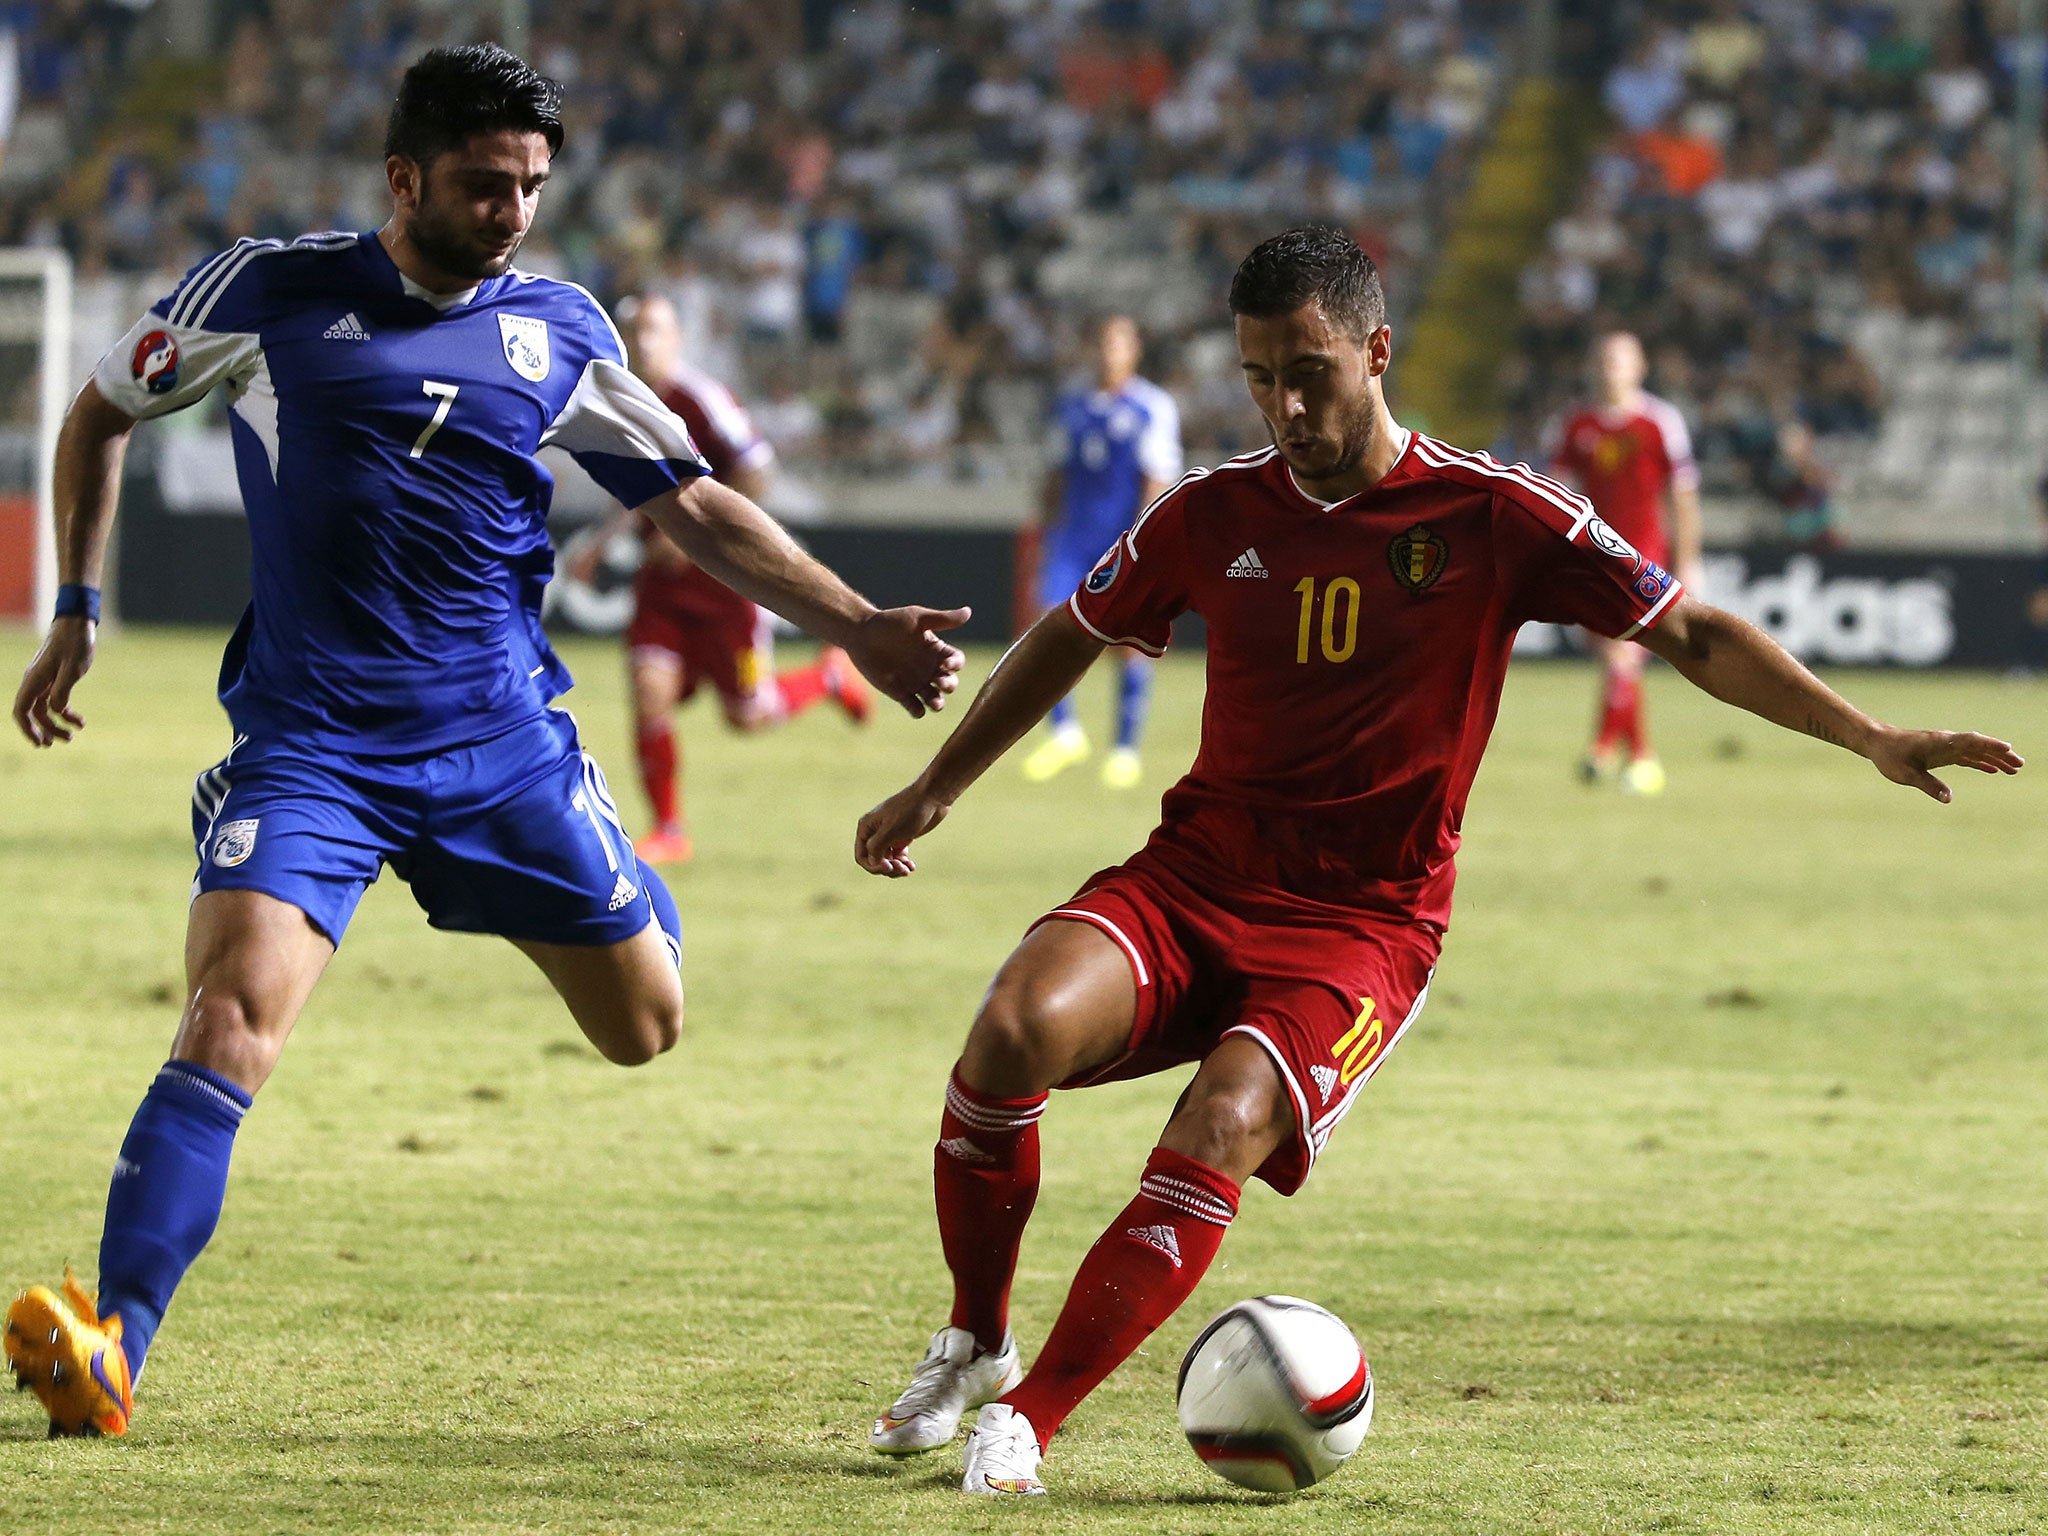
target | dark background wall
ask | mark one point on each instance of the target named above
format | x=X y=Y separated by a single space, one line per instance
x=1882 y=609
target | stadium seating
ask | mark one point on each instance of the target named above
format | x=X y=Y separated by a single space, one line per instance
x=907 y=209
x=1803 y=209
x=892 y=219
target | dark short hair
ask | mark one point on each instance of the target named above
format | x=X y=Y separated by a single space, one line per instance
x=452 y=94
x=1311 y=261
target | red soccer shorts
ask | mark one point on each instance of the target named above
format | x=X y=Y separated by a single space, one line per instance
x=1325 y=992
x=731 y=649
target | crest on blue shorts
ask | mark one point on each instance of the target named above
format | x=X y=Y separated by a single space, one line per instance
x=526 y=345
x=234 y=842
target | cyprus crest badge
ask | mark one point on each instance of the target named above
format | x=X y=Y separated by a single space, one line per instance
x=234 y=842
x=526 y=345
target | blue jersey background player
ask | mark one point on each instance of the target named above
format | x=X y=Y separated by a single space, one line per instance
x=389 y=686
x=1114 y=449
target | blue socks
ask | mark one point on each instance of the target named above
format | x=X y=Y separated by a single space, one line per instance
x=665 y=912
x=169 y=1182
x=1133 y=699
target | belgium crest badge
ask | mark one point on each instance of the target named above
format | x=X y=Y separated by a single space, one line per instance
x=1418 y=558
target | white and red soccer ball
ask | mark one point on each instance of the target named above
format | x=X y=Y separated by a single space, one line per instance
x=1275 y=1394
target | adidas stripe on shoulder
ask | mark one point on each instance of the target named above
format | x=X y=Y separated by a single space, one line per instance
x=1518 y=482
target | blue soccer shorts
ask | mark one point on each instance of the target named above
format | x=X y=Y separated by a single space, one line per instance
x=516 y=835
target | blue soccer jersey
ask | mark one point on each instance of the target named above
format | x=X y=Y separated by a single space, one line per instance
x=389 y=685
x=1104 y=447
x=384 y=440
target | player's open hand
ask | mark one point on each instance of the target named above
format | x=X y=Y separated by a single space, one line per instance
x=881 y=844
x=900 y=651
x=42 y=706
x=1905 y=757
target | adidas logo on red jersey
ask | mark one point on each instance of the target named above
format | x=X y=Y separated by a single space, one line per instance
x=1248 y=564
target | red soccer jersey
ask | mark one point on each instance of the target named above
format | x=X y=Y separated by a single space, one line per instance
x=1624 y=461
x=725 y=436
x=1356 y=656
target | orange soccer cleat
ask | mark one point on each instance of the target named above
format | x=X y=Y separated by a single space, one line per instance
x=846 y=686
x=73 y=1361
x=664 y=845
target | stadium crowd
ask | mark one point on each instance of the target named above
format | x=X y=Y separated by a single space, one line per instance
x=1785 y=190
x=887 y=223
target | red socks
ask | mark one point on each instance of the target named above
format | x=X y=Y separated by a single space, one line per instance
x=1133 y=1279
x=657 y=751
x=985 y=1174
x=1621 y=715
x=802 y=688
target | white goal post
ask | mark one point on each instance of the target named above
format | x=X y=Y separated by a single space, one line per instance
x=35 y=341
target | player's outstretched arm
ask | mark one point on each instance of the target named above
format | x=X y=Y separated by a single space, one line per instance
x=90 y=449
x=1739 y=664
x=1039 y=671
x=898 y=648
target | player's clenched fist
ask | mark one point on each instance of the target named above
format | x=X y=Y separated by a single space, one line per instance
x=42 y=705
x=902 y=655
x=881 y=844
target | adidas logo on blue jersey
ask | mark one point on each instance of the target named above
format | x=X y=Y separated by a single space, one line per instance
x=347 y=328
x=1248 y=564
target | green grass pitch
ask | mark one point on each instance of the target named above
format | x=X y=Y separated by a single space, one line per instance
x=1706 y=1196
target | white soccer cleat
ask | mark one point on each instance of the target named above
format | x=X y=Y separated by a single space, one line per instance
x=953 y=1377
x=1002 y=1454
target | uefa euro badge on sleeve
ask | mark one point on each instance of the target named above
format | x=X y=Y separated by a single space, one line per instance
x=1106 y=569
x=1418 y=558
x=526 y=345
x=233 y=843
x=155 y=363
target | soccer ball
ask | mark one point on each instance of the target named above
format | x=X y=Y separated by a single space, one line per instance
x=1275 y=1394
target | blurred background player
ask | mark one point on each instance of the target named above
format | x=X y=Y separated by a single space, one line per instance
x=688 y=627
x=1627 y=454
x=1114 y=450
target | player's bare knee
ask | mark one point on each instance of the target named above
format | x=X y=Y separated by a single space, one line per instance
x=225 y=1029
x=1229 y=1123
x=1013 y=1048
x=646 y=1032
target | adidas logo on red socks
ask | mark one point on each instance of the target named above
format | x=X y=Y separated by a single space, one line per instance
x=1162 y=1237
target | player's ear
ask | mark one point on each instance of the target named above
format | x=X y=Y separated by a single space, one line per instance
x=1379 y=351
x=402 y=172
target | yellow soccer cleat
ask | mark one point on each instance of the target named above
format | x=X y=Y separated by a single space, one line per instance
x=1122 y=769
x=74 y=1363
x=1056 y=754
x=1644 y=776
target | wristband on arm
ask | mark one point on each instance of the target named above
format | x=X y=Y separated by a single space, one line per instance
x=77 y=598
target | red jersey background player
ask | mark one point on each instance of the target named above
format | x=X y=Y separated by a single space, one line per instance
x=1362 y=587
x=1628 y=454
x=689 y=628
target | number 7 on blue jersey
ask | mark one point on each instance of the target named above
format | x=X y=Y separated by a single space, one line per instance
x=446 y=394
